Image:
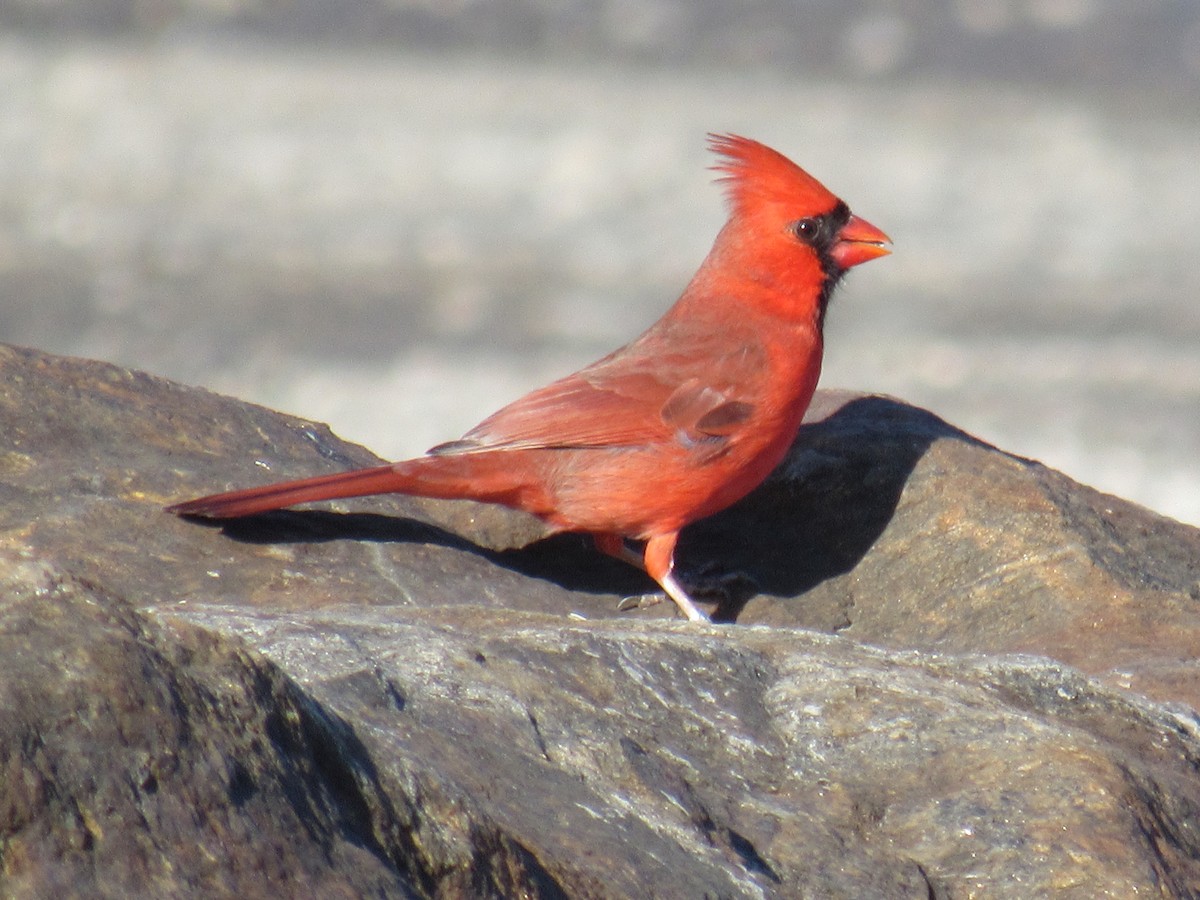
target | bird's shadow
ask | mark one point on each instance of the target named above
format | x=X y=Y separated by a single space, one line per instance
x=568 y=560
x=823 y=510
x=815 y=518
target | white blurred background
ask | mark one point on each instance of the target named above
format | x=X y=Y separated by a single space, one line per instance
x=396 y=216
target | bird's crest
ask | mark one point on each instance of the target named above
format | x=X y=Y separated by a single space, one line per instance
x=754 y=175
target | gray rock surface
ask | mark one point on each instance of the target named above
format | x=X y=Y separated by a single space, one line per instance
x=945 y=672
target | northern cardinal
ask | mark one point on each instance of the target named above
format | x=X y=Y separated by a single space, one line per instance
x=676 y=425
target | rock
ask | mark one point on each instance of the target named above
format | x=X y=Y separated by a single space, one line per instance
x=888 y=526
x=953 y=673
x=140 y=760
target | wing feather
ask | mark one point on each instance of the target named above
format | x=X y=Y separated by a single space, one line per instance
x=700 y=389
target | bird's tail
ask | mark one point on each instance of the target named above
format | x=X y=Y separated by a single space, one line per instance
x=358 y=483
x=470 y=476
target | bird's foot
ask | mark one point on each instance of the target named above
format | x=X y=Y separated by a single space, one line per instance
x=676 y=592
x=707 y=584
x=680 y=598
x=640 y=601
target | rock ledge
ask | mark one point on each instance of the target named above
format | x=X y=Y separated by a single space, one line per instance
x=950 y=672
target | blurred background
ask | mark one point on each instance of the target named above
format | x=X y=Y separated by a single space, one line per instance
x=395 y=216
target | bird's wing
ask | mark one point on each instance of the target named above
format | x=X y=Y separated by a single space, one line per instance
x=695 y=388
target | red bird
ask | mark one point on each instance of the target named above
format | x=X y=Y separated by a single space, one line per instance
x=682 y=422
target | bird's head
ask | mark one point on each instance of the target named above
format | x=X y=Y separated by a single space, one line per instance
x=786 y=229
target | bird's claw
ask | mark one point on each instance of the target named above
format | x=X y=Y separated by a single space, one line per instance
x=709 y=585
x=638 y=601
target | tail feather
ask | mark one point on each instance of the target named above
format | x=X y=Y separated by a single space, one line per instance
x=489 y=477
x=358 y=483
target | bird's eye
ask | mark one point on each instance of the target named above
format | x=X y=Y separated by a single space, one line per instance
x=808 y=230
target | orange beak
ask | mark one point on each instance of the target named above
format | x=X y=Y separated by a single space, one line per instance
x=857 y=242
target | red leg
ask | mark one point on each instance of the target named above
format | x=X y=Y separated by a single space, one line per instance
x=660 y=563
